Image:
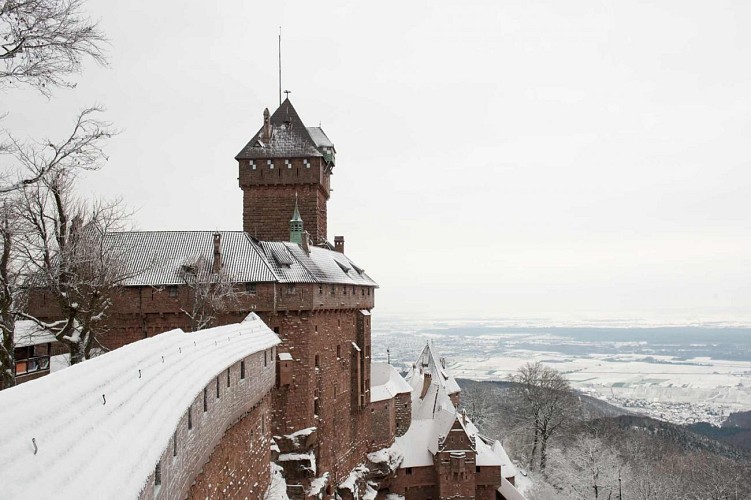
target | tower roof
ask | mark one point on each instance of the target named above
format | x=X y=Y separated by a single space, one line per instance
x=286 y=137
x=296 y=214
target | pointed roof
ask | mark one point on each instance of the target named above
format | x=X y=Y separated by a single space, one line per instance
x=289 y=138
x=296 y=215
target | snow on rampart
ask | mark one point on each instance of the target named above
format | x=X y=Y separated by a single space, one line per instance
x=97 y=429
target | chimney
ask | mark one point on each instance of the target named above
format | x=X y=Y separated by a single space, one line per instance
x=427 y=378
x=305 y=242
x=339 y=244
x=216 y=266
x=266 y=135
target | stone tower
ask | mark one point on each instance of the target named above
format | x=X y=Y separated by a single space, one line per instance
x=285 y=160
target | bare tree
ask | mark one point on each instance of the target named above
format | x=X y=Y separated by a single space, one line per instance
x=549 y=403
x=69 y=257
x=44 y=41
x=588 y=468
x=8 y=291
x=82 y=149
x=211 y=292
x=478 y=401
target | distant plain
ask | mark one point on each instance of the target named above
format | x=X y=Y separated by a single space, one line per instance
x=678 y=373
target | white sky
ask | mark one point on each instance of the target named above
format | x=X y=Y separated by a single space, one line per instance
x=519 y=158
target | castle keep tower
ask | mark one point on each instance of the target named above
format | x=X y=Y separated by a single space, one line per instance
x=285 y=160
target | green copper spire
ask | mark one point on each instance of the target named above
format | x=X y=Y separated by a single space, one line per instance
x=295 y=226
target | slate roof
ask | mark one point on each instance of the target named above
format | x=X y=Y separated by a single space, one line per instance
x=289 y=139
x=154 y=258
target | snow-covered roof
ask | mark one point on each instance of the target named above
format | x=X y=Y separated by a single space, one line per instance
x=89 y=449
x=28 y=333
x=429 y=362
x=153 y=258
x=434 y=415
x=386 y=382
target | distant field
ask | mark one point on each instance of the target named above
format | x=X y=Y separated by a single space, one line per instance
x=681 y=374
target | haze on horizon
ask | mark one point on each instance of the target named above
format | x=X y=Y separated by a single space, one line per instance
x=515 y=159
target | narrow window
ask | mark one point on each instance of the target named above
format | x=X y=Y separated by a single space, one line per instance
x=338 y=322
x=353 y=290
x=263 y=424
x=320 y=289
x=408 y=471
x=172 y=291
x=316 y=328
x=174 y=444
x=265 y=361
x=276 y=330
x=158 y=474
x=318 y=361
x=363 y=291
x=205 y=399
x=339 y=351
x=228 y=377
x=333 y=290
x=242 y=369
x=190 y=418
x=217 y=388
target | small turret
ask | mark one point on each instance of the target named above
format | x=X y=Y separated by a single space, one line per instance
x=295 y=226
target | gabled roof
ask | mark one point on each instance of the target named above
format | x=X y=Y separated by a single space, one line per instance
x=289 y=138
x=429 y=362
x=156 y=258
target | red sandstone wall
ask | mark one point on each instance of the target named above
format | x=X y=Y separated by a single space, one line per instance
x=382 y=424
x=416 y=483
x=269 y=197
x=403 y=407
x=207 y=438
x=239 y=465
x=343 y=428
x=140 y=312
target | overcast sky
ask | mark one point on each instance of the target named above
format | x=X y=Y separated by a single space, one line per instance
x=585 y=160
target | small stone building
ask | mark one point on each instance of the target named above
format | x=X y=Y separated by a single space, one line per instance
x=445 y=456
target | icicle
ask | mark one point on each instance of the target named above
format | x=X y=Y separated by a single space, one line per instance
x=34 y=442
x=104 y=400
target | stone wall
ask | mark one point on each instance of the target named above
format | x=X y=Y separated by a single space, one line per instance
x=269 y=192
x=320 y=394
x=403 y=407
x=214 y=427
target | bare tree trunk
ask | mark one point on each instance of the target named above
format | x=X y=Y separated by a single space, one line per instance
x=7 y=320
x=543 y=450
x=533 y=455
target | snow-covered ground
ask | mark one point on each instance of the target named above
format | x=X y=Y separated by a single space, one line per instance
x=681 y=374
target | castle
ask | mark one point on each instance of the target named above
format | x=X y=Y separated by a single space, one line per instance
x=341 y=425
